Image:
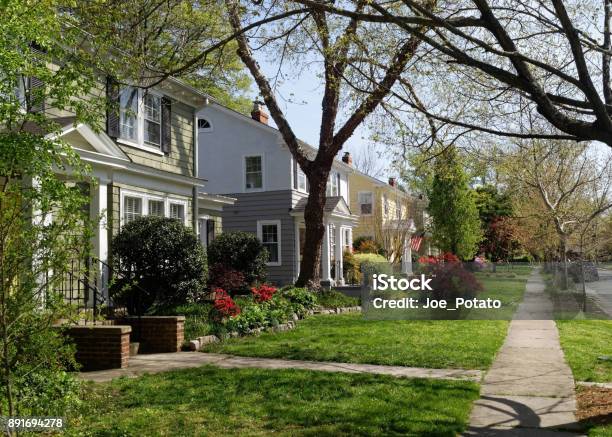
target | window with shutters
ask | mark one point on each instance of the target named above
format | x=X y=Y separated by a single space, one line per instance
x=152 y=119
x=128 y=114
x=253 y=172
x=365 y=202
x=132 y=208
x=268 y=232
x=144 y=120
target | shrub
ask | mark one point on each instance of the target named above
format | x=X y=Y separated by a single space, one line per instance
x=366 y=245
x=263 y=292
x=300 y=299
x=351 y=272
x=370 y=264
x=223 y=306
x=449 y=278
x=163 y=258
x=226 y=278
x=335 y=299
x=242 y=252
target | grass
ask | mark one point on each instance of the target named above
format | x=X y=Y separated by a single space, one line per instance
x=469 y=344
x=583 y=341
x=209 y=401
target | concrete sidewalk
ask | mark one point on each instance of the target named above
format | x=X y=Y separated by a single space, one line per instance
x=529 y=390
x=156 y=363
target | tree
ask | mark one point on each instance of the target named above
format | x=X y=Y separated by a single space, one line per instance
x=494 y=210
x=145 y=41
x=455 y=223
x=548 y=78
x=337 y=42
x=42 y=220
x=571 y=182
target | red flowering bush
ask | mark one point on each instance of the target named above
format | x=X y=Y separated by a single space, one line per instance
x=263 y=292
x=223 y=305
x=450 y=279
x=226 y=278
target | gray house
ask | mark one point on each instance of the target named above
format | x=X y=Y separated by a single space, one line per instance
x=246 y=159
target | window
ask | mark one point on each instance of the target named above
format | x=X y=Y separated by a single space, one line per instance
x=302 y=182
x=177 y=211
x=268 y=231
x=210 y=231
x=332 y=241
x=398 y=209
x=346 y=237
x=253 y=172
x=204 y=125
x=152 y=119
x=156 y=207
x=386 y=204
x=132 y=209
x=128 y=116
x=135 y=204
x=365 y=202
x=333 y=184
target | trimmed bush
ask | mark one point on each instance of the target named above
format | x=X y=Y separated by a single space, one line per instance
x=371 y=263
x=301 y=299
x=160 y=264
x=335 y=299
x=240 y=252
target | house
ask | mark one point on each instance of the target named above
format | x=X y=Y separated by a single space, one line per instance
x=144 y=163
x=388 y=214
x=246 y=159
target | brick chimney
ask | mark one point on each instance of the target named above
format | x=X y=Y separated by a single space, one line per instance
x=259 y=113
x=347 y=158
x=392 y=182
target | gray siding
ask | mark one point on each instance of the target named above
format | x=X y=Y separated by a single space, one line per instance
x=268 y=205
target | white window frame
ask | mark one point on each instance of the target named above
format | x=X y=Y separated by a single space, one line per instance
x=145 y=197
x=299 y=175
x=333 y=181
x=398 y=209
x=359 y=194
x=386 y=205
x=140 y=123
x=244 y=172
x=260 y=225
x=347 y=245
x=173 y=201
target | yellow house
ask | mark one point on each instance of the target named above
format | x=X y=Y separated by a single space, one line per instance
x=387 y=214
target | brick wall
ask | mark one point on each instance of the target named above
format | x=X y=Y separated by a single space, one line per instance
x=101 y=347
x=156 y=334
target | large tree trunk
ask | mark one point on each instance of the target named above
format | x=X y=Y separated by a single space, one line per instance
x=310 y=267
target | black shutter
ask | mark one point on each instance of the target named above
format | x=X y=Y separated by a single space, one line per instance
x=166 y=121
x=112 y=107
x=36 y=97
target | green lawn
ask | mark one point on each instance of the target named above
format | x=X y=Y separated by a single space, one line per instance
x=470 y=344
x=583 y=341
x=209 y=402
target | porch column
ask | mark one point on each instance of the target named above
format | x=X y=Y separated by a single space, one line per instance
x=338 y=255
x=99 y=211
x=325 y=256
x=407 y=257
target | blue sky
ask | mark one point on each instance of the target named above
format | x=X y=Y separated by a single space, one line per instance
x=300 y=99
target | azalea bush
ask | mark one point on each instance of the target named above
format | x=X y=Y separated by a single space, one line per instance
x=450 y=278
x=223 y=305
x=263 y=292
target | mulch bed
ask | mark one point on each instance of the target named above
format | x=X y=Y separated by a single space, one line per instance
x=594 y=405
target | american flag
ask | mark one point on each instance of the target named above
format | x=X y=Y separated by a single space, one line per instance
x=415 y=242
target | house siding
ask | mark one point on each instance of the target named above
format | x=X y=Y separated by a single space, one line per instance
x=269 y=205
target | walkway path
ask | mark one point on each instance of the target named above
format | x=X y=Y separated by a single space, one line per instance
x=529 y=389
x=155 y=363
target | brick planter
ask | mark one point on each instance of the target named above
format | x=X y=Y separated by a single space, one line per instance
x=156 y=334
x=101 y=347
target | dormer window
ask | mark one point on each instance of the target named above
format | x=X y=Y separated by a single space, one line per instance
x=333 y=184
x=204 y=125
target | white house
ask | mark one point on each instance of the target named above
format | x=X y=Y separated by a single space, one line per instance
x=246 y=159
